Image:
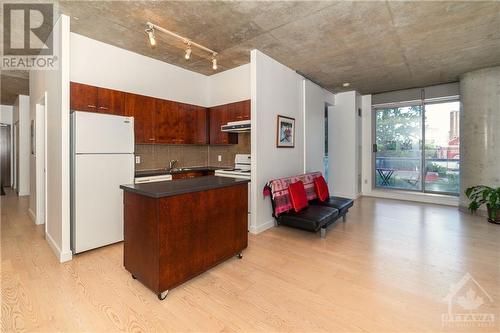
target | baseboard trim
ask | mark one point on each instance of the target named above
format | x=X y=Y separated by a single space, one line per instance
x=32 y=215
x=262 y=227
x=62 y=256
x=415 y=197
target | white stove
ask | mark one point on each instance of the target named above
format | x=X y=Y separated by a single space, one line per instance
x=242 y=164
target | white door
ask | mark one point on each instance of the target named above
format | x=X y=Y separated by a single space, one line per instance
x=98 y=199
x=102 y=133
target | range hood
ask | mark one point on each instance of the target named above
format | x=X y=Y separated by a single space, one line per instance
x=236 y=126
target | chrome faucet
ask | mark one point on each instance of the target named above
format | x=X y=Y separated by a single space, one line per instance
x=171 y=164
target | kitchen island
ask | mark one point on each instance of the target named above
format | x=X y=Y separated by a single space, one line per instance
x=175 y=230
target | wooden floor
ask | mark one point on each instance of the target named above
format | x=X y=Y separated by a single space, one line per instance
x=387 y=269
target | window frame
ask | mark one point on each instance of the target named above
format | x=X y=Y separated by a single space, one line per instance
x=422 y=103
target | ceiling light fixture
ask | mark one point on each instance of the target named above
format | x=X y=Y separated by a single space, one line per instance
x=346 y=84
x=151 y=27
x=150 y=31
x=214 y=63
x=188 y=52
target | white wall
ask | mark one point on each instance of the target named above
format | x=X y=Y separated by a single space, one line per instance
x=229 y=86
x=6 y=113
x=56 y=84
x=103 y=65
x=343 y=138
x=314 y=99
x=276 y=90
x=21 y=115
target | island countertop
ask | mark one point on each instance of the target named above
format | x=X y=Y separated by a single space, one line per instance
x=182 y=186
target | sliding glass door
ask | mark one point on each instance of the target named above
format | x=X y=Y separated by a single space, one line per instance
x=416 y=147
x=442 y=143
x=398 y=151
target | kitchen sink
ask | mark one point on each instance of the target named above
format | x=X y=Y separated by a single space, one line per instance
x=180 y=169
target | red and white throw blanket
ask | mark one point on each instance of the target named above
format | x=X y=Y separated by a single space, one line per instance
x=279 y=190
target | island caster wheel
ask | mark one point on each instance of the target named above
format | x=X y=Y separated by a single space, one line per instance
x=134 y=277
x=239 y=255
x=163 y=295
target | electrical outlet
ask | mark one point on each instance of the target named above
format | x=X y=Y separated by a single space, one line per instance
x=137 y=159
x=219 y=158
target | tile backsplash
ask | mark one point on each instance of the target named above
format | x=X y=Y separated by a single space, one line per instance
x=158 y=156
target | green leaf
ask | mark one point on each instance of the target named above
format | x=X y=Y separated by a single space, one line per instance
x=473 y=206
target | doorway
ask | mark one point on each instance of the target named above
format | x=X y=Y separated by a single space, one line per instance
x=38 y=152
x=15 y=156
x=5 y=157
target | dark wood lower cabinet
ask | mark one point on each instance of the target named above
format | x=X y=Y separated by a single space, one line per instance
x=170 y=240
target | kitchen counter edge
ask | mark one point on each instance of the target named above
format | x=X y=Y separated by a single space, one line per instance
x=182 y=186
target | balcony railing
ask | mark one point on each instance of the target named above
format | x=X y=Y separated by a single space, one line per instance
x=440 y=174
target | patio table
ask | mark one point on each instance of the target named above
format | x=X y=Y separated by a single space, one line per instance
x=385 y=174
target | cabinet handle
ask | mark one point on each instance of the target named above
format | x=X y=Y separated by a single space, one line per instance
x=239 y=117
x=90 y=106
x=103 y=107
x=151 y=139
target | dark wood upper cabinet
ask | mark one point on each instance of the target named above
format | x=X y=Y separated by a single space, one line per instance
x=180 y=123
x=159 y=120
x=143 y=109
x=239 y=111
x=200 y=126
x=83 y=97
x=221 y=115
x=166 y=121
x=110 y=101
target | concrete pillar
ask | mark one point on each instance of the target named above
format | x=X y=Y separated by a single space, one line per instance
x=479 y=130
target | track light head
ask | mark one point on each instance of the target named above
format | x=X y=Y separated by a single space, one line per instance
x=214 y=63
x=187 y=56
x=151 y=35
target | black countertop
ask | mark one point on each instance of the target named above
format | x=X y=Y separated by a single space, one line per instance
x=159 y=172
x=182 y=186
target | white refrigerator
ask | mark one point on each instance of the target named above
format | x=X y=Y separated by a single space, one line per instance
x=102 y=159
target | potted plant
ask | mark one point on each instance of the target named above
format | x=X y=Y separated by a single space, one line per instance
x=480 y=195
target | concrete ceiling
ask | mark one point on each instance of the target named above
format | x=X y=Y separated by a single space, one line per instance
x=13 y=84
x=376 y=46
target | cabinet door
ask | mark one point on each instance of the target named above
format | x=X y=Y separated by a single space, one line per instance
x=110 y=101
x=185 y=131
x=221 y=115
x=143 y=109
x=166 y=121
x=200 y=125
x=245 y=110
x=83 y=97
x=239 y=111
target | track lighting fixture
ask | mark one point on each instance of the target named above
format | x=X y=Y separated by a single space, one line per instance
x=151 y=35
x=214 y=63
x=188 y=52
x=150 y=31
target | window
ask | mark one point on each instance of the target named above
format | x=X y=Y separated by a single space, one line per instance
x=417 y=147
x=442 y=142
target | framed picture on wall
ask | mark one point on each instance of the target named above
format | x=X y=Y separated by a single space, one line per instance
x=285 y=136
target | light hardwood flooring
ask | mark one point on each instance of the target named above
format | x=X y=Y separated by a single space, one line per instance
x=387 y=269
